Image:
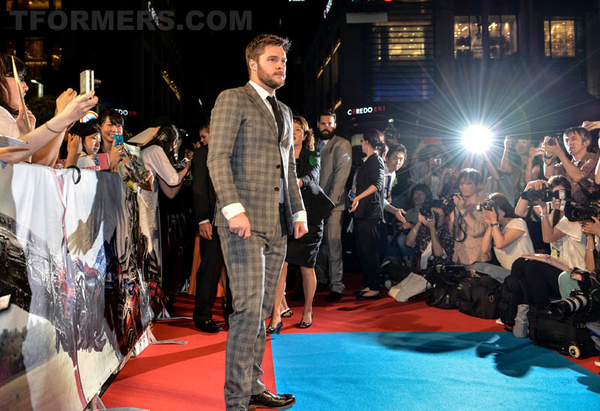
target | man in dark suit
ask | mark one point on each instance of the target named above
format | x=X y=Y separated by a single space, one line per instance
x=211 y=262
x=252 y=166
x=336 y=162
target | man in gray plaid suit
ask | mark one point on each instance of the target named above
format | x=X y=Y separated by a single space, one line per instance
x=252 y=166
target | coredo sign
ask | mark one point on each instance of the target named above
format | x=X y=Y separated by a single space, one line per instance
x=365 y=110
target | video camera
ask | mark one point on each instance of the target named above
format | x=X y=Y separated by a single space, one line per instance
x=586 y=300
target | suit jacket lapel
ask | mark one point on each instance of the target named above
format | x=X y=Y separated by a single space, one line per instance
x=260 y=105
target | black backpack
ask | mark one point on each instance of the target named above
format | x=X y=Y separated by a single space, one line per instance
x=445 y=286
x=512 y=294
x=478 y=296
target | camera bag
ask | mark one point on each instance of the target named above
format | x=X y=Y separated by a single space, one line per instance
x=445 y=286
x=478 y=296
x=511 y=295
x=569 y=336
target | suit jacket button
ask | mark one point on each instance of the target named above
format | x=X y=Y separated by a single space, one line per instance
x=276 y=188
x=278 y=166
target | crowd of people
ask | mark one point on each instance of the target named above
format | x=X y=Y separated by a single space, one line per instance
x=418 y=211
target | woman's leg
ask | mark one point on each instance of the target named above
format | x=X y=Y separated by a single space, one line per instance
x=309 y=283
x=276 y=314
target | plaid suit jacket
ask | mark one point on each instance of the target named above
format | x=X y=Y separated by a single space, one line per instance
x=246 y=161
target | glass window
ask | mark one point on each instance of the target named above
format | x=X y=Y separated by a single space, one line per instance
x=467 y=37
x=502 y=36
x=34 y=49
x=561 y=37
x=401 y=41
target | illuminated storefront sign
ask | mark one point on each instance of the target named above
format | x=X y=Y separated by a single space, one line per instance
x=365 y=110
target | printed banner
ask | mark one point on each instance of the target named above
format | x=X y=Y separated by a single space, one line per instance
x=72 y=271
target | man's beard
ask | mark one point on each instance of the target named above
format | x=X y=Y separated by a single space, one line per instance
x=269 y=81
x=322 y=136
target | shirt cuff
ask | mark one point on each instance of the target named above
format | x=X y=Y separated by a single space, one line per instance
x=232 y=210
x=300 y=217
x=204 y=221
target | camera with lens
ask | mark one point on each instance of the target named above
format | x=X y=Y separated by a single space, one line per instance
x=552 y=141
x=427 y=212
x=448 y=201
x=487 y=205
x=545 y=194
x=579 y=212
x=584 y=301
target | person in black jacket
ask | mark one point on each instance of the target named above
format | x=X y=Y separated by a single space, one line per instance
x=303 y=251
x=367 y=207
x=211 y=264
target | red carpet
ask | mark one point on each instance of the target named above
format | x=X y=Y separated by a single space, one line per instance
x=191 y=377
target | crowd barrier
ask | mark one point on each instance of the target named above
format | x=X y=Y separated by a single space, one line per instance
x=75 y=292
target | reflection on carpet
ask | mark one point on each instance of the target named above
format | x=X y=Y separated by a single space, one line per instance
x=428 y=371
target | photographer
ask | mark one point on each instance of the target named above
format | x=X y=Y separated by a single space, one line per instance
x=419 y=195
x=430 y=237
x=567 y=244
x=592 y=231
x=468 y=226
x=522 y=160
x=579 y=170
x=506 y=232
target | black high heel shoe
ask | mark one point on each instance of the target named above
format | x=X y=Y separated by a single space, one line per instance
x=276 y=329
x=304 y=324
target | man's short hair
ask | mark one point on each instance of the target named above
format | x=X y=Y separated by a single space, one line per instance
x=398 y=148
x=258 y=44
x=585 y=135
x=328 y=113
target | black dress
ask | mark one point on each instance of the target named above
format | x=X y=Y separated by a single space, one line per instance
x=303 y=251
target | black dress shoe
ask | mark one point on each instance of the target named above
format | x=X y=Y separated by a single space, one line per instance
x=208 y=326
x=368 y=297
x=270 y=401
x=333 y=297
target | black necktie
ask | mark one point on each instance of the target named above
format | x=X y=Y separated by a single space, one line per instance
x=278 y=118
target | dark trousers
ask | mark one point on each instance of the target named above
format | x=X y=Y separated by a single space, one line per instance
x=540 y=281
x=207 y=276
x=366 y=237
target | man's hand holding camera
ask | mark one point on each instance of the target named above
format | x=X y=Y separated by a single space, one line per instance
x=551 y=148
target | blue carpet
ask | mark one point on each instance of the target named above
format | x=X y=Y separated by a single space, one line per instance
x=388 y=371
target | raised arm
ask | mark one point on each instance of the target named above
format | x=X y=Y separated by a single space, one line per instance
x=38 y=138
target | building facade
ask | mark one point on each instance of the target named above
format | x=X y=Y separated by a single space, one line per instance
x=521 y=67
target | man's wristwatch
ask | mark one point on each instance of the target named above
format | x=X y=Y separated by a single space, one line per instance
x=494 y=225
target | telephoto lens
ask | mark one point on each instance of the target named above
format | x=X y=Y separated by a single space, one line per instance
x=563 y=308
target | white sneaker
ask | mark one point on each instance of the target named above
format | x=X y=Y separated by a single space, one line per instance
x=499 y=322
